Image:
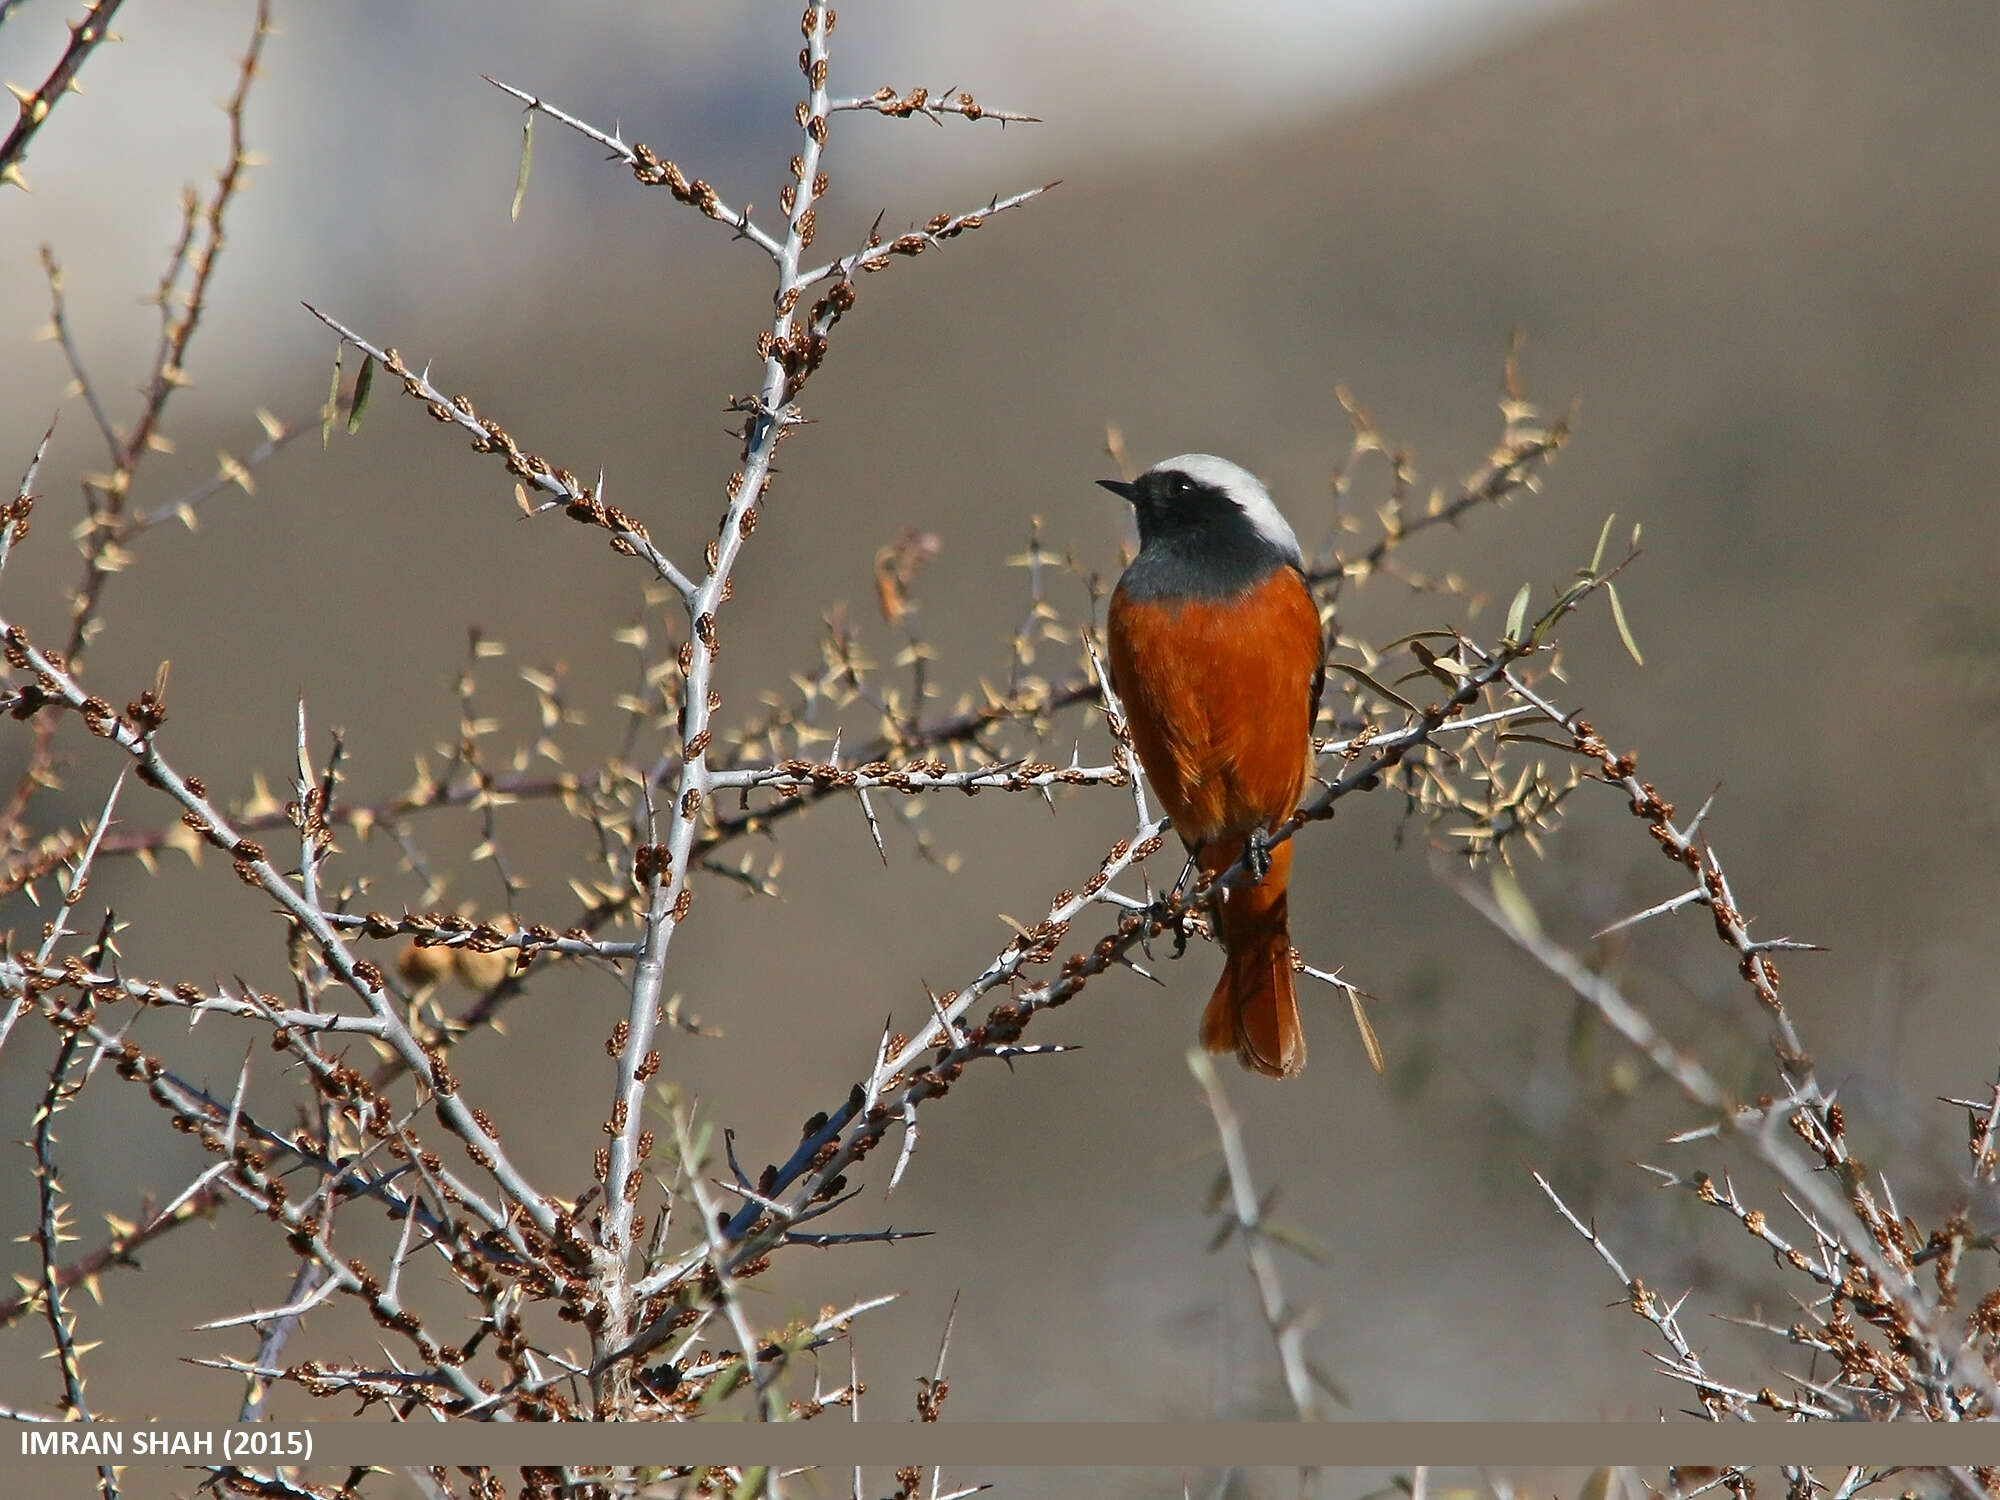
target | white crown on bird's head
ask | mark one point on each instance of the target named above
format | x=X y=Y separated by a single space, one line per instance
x=1241 y=486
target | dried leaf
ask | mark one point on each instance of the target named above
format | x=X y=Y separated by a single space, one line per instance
x=527 y=160
x=1370 y=1043
x=332 y=399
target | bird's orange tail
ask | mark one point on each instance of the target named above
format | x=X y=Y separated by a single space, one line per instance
x=1253 y=1011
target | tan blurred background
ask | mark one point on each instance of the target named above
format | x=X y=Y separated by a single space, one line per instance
x=1756 y=240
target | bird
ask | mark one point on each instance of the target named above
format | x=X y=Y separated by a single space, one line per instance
x=1216 y=652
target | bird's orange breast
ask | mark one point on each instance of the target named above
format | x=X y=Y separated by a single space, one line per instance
x=1220 y=696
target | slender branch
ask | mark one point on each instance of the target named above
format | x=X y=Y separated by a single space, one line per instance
x=177 y=330
x=1515 y=464
x=580 y=502
x=105 y=495
x=430 y=795
x=1244 y=1213
x=1717 y=1400
x=1604 y=997
x=85 y=37
x=924 y=776
x=790 y=356
x=135 y=738
x=120 y=1247
x=14 y=515
x=49 y=1233
x=59 y=327
x=230 y=470
x=653 y=170
x=762 y=1375
x=876 y=254
x=921 y=101
x=1765 y=1130
x=899 y=1077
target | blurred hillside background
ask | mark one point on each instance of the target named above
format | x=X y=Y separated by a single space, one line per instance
x=1756 y=240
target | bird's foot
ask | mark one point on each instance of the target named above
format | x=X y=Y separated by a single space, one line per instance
x=1257 y=852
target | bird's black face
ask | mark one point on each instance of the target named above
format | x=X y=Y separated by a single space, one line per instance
x=1173 y=505
x=1195 y=538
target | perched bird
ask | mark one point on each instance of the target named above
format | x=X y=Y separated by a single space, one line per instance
x=1217 y=655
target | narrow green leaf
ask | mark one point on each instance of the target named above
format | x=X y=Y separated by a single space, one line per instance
x=1218 y=1192
x=362 y=384
x=1597 y=557
x=1567 y=746
x=1294 y=1241
x=1624 y=630
x=1418 y=635
x=1514 y=903
x=527 y=160
x=1517 y=613
x=1372 y=685
x=1327 y=1383
x=724 y=1386
x=332 y=400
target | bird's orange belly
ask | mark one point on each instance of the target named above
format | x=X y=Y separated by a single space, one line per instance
x=1219 y=697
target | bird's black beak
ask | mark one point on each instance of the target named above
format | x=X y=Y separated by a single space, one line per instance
x=1124 y=489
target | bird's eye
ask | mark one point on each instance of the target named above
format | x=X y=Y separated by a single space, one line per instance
x=1183 y=486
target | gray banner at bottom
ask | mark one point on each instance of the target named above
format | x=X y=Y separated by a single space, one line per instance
x=1007 y=1444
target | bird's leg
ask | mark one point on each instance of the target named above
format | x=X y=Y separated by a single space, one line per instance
x=1257 y=851
x=1146 y=928
x=1180 y=921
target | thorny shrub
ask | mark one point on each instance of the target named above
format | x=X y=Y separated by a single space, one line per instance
x=618 y=1297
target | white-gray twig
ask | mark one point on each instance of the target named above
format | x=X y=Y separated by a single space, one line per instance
x=1244 y=1212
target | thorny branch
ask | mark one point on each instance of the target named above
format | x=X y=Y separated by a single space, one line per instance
x=677 y=1282
x=85 y=37
x=901 y=1079
x=108 y=526
x=933 y=106
x=792 y=349
x=653 y=1294
x=1863 y=1269
x=579 y=502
